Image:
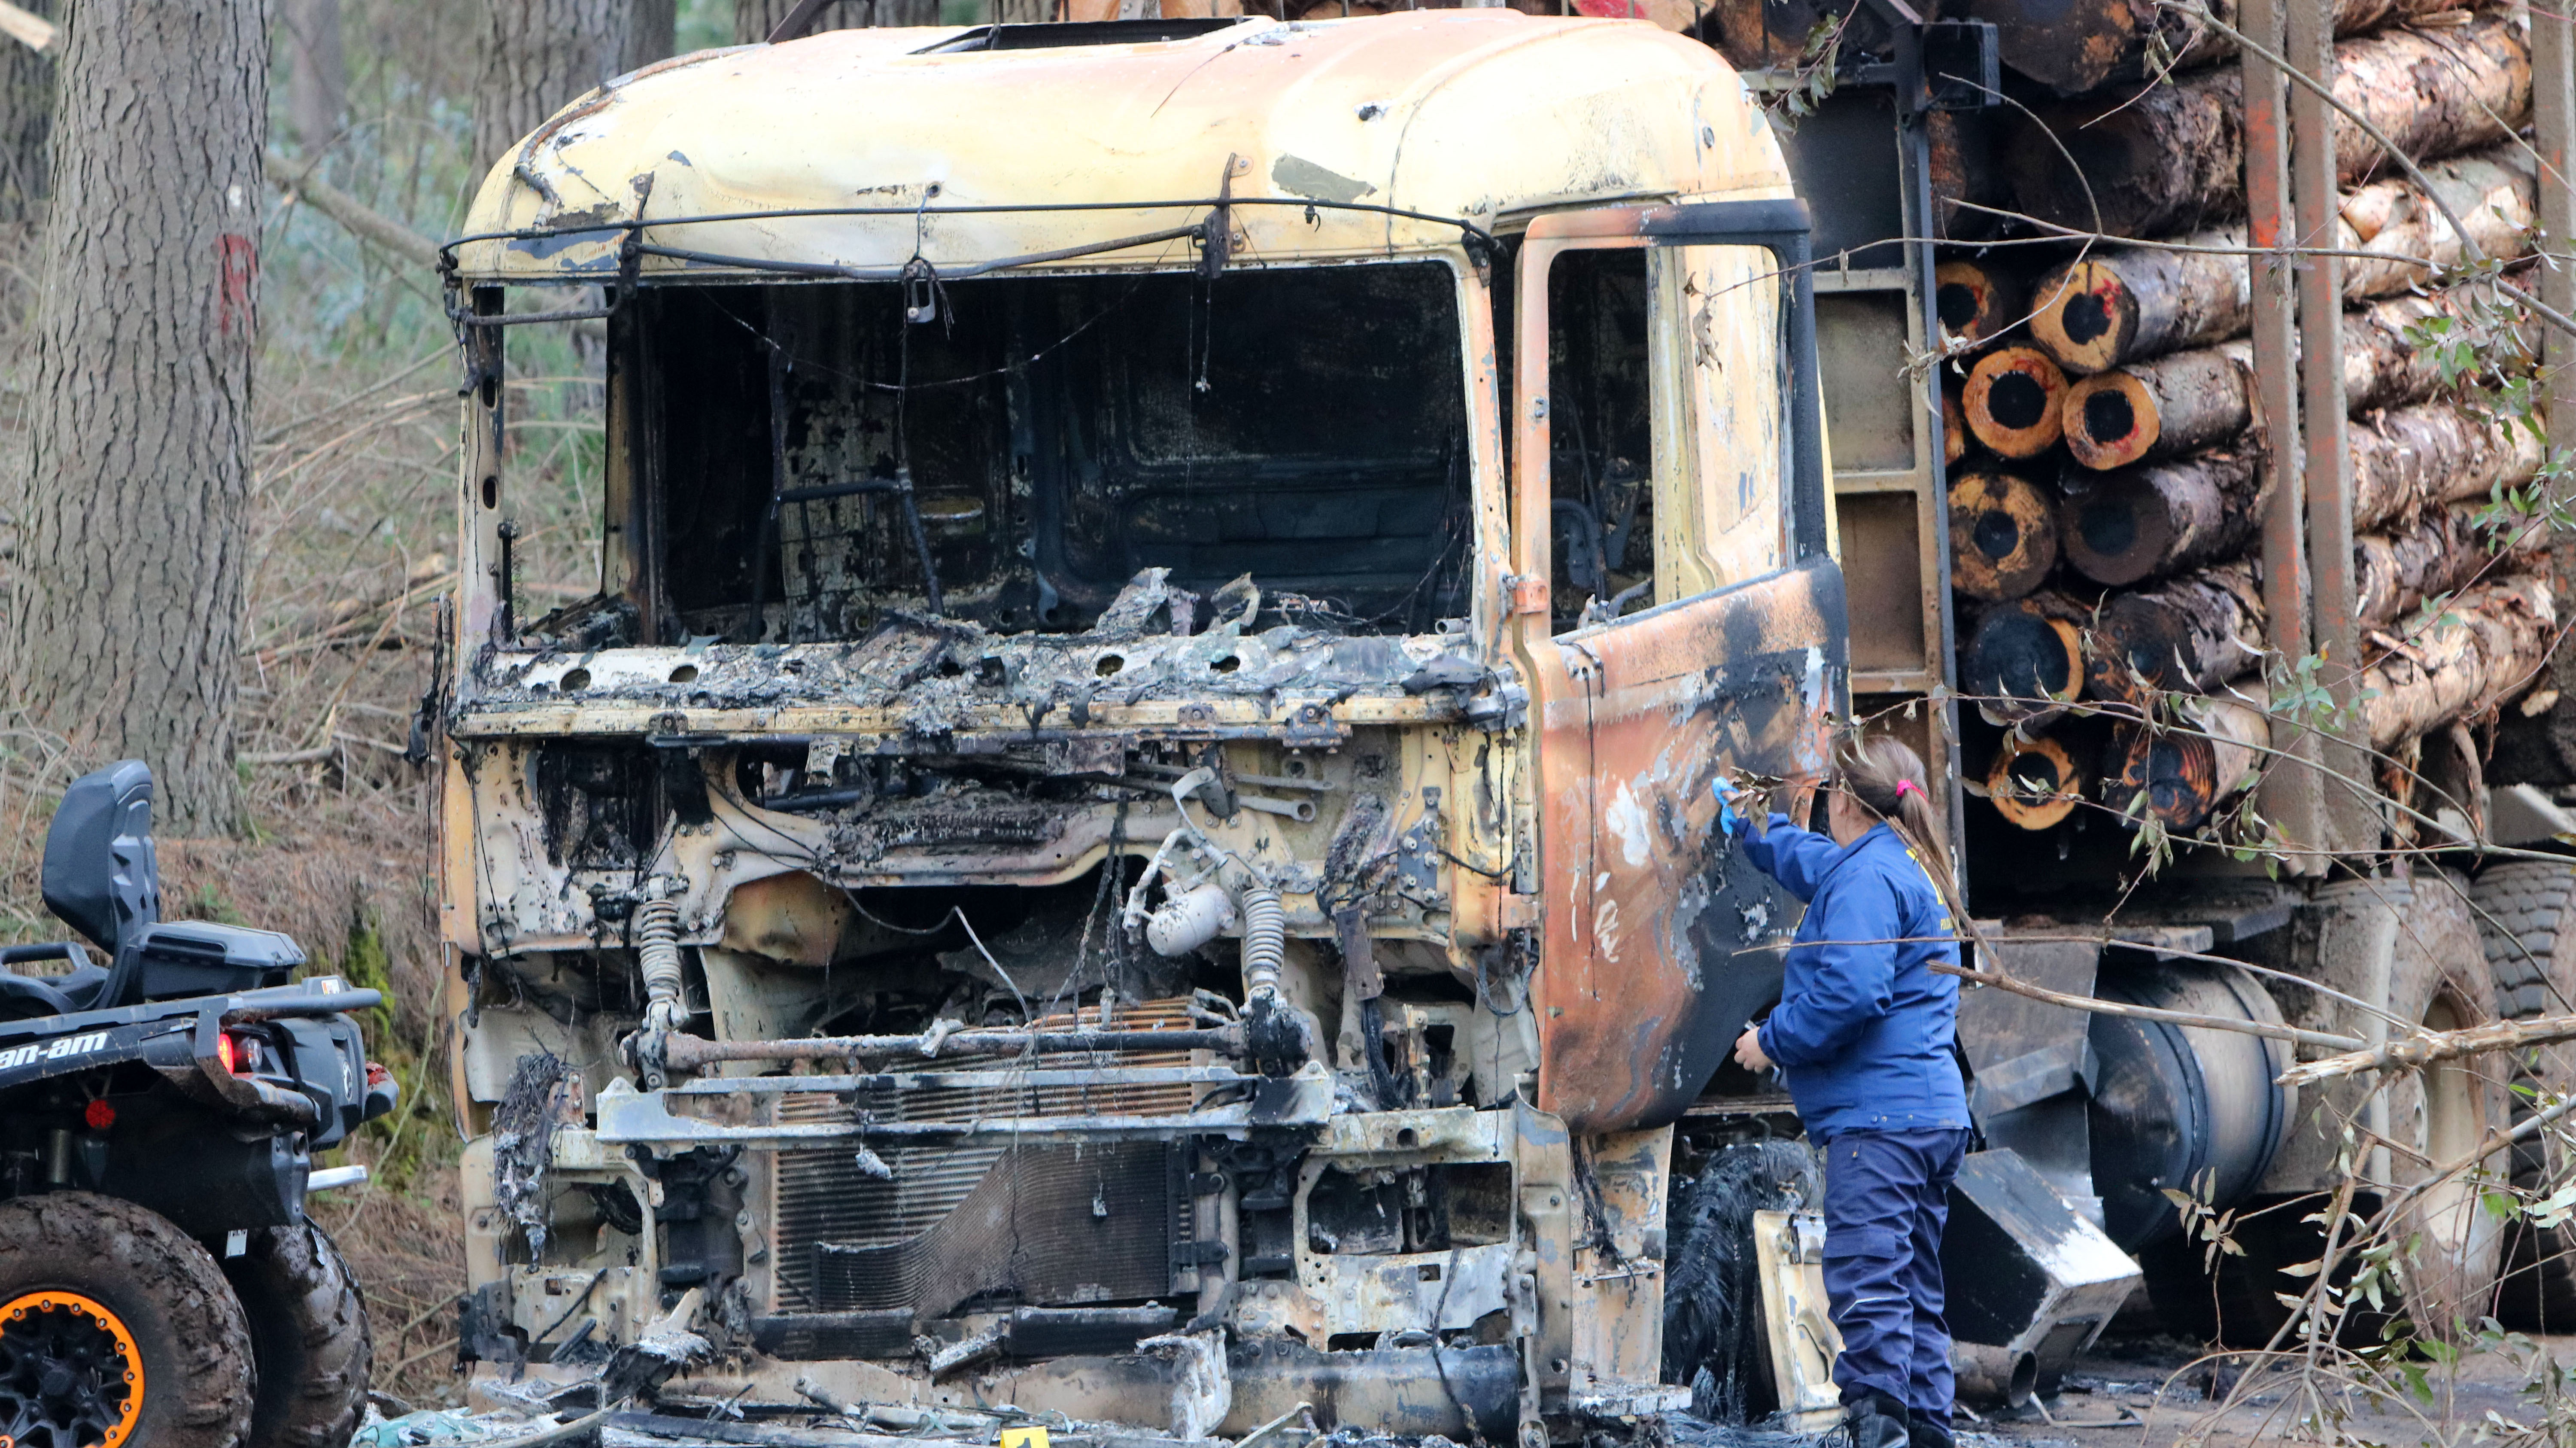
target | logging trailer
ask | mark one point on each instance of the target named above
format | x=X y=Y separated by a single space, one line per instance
x=1128 y=830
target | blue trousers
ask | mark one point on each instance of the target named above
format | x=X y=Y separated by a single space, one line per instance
x=1887 y=1196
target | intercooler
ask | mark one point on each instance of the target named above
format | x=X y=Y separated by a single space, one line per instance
x=965 y=1228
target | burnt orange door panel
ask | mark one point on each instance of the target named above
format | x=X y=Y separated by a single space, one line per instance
x=1661 y=939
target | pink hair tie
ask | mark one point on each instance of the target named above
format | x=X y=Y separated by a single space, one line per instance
x=1905 y=787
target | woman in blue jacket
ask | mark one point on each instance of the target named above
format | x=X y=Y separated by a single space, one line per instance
x=1863 y=1033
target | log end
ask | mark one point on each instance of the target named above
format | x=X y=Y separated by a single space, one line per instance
x=2003 y=535
x=2021 y=663
x=2014 y=399
x=1954 y=425
x=2111 y=420
x=2086 y=318
x=2112 y=528
x=2034 y=783
x=2177 y=771
x=1976 y=302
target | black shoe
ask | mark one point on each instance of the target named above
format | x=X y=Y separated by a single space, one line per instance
x=1876 y=1421
x=1923 y=1432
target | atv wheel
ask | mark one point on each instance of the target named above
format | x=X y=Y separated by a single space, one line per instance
x=116 y=1329
x=308 y=1333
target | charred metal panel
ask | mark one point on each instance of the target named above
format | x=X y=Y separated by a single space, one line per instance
x=1661 y=938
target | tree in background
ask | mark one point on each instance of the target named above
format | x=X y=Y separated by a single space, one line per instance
x=538 y=55
x=125 y=608
x=754 y=19
x=317 y=73
x=26 y=119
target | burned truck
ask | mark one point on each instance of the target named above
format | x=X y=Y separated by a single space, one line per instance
x=1128 y=829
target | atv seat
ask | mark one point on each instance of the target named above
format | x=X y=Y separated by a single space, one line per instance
x=24 y=997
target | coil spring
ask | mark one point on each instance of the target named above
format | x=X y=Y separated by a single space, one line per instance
x=657 y=951
x=1265 y=939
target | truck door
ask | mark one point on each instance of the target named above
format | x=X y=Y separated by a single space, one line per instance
x=1677 y=611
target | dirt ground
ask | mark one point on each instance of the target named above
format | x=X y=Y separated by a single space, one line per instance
x=2159 y=1391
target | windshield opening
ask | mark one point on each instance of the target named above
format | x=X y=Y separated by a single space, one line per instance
x=1290 y=440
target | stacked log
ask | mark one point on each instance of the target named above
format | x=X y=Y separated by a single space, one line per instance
x=2107 y=555
x=2173 y=157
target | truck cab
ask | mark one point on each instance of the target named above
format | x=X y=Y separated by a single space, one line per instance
x=1128 y=827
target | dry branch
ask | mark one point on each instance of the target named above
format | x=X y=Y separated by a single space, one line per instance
x=2414 y=1052
x=361 y=220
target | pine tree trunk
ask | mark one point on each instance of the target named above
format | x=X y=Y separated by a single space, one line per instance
x=27 y=118
x=125 y=610
x=2485 y=650
x=2173 y=158
x=2409 y=459
x=538 y=56
x=2003 y=535
x=317 y=70
x=2124 y=302
x=754 y=19
x=652 y=33
x=2142 y=522
x=2161 y=408
x=2493 y=192
x=2185 y=635
x=2082 y=46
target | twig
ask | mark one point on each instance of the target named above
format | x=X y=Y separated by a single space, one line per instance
x=2423 y=1050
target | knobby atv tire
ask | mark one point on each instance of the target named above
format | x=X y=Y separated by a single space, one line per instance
x=186 y=1326
x=2527 y=919
x=309 y=1336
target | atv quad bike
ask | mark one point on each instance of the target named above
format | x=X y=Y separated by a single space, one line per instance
x=159 y=1283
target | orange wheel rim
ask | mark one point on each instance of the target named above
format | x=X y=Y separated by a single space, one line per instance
x=68 y=1366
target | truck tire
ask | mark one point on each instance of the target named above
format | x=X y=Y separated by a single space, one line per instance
x=309 y=1338
x=116 y=1330
x=2521 y=908
x=2437 y=977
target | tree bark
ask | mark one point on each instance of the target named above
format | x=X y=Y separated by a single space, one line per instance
x=27 y=119
x=1978 y=301
x=2173 y=158
x=317 y=71
x=2162 y=408
x=2091 y=43
x=125 y=611
x=2035 y=782
x=2188 y=772
x=2003 y=535
x=2395 y=572
x=754 y=19
x=2184 y=636
x=538 y=56
x=2012 y=401
x=2492 y=192
x=2026 y=657
x=2123 y=302
x=2413 y=458
x=2119 y=527
x=2483 y=652
x=2382 y=369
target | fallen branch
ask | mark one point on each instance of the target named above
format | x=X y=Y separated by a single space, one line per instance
x=354 y=216
x=2431 y=1046
x=2102 y=1007
x=25 y=26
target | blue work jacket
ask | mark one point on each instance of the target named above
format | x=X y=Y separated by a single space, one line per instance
x=1863 y=1032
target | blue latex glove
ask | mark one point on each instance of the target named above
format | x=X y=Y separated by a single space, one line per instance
x=1729 y=818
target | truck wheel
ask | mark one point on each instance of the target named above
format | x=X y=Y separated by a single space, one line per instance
x=309 y=1337
x=116 y=1329
x=2438 y=980
x=2436 y=977
x=2521 y=907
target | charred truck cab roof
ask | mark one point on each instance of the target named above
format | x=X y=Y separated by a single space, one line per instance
x=1128 y=830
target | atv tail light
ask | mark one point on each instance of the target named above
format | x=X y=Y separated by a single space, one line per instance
x=98 y=1115
x=239 y=1054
